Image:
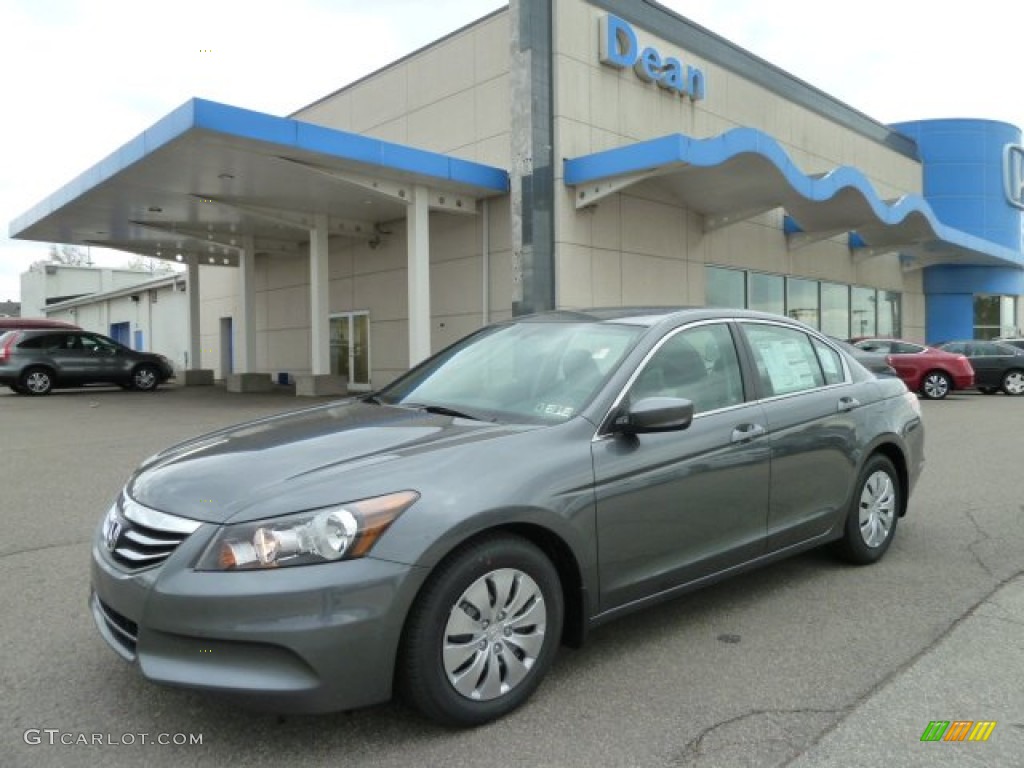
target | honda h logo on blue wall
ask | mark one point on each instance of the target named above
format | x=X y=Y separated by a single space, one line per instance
x=620 y=48
x=1013 y=174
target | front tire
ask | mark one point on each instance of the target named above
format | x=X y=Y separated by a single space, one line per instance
x=483 y=632
x=873 y=514
x=935 y=385
x=1013 y=383
x=36 y=381
x=145 y=378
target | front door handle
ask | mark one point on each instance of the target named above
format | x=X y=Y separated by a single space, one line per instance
x=848 y=404
x=746 y=432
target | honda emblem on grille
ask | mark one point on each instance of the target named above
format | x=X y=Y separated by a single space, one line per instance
x=113 y=534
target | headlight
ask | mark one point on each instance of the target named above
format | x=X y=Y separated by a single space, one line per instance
x=343 y=532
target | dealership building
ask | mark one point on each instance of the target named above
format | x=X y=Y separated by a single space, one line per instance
x=556 y=154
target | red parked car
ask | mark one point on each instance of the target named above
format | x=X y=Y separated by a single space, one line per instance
x=933 y=373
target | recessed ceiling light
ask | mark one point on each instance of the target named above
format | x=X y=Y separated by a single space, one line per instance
x=155 y=209
x=226 y=176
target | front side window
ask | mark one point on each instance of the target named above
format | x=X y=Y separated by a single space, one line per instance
x=785 y=359
x=699 y=364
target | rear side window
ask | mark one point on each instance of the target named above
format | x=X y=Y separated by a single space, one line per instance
x=785 y=358
x=43 y=341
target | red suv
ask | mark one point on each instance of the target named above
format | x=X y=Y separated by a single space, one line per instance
x=934 y=373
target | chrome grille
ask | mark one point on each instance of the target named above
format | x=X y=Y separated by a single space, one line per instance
x=139 y=537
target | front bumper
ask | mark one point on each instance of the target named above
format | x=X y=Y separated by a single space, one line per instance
x=313 y=638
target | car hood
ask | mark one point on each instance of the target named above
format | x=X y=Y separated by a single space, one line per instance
x=299 y=460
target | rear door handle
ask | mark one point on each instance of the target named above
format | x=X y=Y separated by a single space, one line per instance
x=847 y=404
x=746 y=432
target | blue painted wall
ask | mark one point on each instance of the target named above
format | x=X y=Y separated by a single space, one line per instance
x=963 y=175
x=963 y=182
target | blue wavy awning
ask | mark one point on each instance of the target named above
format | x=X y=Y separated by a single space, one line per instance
x=745 y=171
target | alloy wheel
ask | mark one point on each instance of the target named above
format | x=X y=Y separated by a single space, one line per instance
x=935 y=386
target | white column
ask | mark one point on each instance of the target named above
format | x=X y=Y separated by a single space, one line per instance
x=195 y=360
x=245 y=331
x=417 y=219
x=319 y=309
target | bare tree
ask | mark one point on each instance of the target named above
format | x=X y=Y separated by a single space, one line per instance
x=72 y=255
x=149 y=264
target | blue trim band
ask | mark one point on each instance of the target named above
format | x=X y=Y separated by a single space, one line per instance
x=678 y=150
x=282 y=132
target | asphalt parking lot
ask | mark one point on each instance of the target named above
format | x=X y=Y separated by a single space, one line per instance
x=809 y=662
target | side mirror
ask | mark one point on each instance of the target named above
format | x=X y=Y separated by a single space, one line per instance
x=654 y=414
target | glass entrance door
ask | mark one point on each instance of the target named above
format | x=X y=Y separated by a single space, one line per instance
x=350 y=348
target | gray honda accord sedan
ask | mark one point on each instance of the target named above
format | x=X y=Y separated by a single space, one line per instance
x=443 y=536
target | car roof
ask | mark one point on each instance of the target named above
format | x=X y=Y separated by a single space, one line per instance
x=27 y=323
x=646 y=316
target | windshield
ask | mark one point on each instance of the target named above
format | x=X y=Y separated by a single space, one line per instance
x=538 y=373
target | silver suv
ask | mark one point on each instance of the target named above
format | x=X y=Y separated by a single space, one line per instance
x=34 y=362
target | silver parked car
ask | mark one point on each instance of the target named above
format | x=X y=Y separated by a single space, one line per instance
x=540 y=477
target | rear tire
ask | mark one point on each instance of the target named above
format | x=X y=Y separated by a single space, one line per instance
x=935 y=385
x=873 y=514
x=1013 y=383
x=483 y=632
x=36 y=381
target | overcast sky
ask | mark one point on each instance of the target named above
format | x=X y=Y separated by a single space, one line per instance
x=80 y=77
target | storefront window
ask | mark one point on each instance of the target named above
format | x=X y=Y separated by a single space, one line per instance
x=890 y=321
x=862 y=312
x=835 y=310
x=724 y=287
x=767 y=293
x=802 y=300
x=995 y=316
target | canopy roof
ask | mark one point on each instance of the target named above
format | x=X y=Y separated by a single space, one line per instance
x=209 y=175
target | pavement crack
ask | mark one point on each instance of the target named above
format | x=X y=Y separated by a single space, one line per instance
x=982 y=536
x=697 y=748
x=43 y=548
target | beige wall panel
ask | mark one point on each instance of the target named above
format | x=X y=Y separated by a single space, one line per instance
x=379 y=99
x=396 y=131
x=695 y=283
x=456 y=287
x=653 y=228
x=385 y=294
x=341 y=295
x=576 y=29
x=825 y=260
x=572 y=226
x=573 y=277
x=496 y=151
x=444 y=69
x=572 y=89
x=341 y=261
x=454 y=236
x=286 y=271
x=390 y=255
x=389 y=349
x=606 y=277
x=501 y=284
x=652 y=280
x=499 y=224
x=441 y=126
x=288 y=308
x=606 y=222
x=604 y=87
x=493 y=107
x=491 y=48
x=288 y=350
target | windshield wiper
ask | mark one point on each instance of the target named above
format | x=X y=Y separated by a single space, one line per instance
x=444 y=410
